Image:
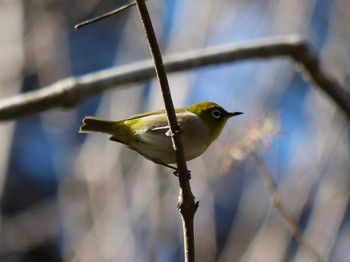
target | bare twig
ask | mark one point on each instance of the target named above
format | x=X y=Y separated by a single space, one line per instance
x=104 y=16
x=69 y=92
x=286 y=218
x=187 y=205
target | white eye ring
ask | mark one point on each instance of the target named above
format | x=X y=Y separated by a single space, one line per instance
x=216 y=113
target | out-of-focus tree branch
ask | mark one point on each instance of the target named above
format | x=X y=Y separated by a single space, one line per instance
x=71 y=91
x=275 y=199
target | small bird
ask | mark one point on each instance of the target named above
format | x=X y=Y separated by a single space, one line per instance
x=148 y=133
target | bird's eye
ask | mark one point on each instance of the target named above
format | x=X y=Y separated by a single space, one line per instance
x=216 y=113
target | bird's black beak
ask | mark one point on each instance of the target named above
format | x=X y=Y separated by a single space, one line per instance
x=231 y=114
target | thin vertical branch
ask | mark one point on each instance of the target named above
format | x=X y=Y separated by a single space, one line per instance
x=187 y=205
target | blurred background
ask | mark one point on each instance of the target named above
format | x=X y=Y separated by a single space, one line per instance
x=67 y=196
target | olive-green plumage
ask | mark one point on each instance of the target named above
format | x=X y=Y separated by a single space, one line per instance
x=147 y=133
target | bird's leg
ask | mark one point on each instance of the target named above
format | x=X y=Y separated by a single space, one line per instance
x=166 y=165
x=176 y=172
x=188 y=174
x=178 y=130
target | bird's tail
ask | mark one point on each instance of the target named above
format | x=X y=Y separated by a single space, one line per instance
x=94 y=124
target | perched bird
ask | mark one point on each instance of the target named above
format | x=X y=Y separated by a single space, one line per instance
x=149 y=134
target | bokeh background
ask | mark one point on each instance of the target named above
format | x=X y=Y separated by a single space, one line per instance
x=67 y=196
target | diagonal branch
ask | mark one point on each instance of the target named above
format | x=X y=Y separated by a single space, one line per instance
x=104 y=16
x=71 y=91
x=289 y=222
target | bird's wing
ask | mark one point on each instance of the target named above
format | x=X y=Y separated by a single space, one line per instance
x=156 y=112
x=162 y=129
x=155 y=124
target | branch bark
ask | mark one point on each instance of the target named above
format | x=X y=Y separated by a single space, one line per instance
x=71 y=91
x=187 y=205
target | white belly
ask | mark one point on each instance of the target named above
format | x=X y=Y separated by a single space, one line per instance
x=153 y=143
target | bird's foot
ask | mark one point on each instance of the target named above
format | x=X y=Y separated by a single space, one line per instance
x=179 y=129
x=188 y=174
x=176 y=172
